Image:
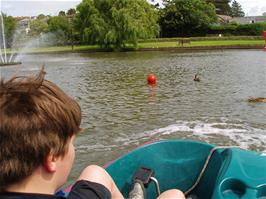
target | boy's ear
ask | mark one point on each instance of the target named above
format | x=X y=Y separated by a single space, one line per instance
x=50 y=163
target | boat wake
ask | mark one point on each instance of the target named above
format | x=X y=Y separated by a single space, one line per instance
x=219 y=133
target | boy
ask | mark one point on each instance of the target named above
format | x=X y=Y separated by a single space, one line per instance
x=38 y=125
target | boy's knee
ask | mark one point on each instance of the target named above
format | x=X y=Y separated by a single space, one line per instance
x=96 y=174
x=99 y=175
x=94 y=168
x=93 y=172
x=172 y=194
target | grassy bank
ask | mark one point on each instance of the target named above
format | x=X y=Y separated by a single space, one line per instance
x=162 y=45
x=210 y=38
x=61 y=49
x=201 y=43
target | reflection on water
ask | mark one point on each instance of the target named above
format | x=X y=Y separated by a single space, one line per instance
x=120 y=111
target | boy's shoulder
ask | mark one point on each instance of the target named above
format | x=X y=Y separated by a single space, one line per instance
x=16 y=195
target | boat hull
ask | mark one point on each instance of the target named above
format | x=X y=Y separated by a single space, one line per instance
x=231 y=173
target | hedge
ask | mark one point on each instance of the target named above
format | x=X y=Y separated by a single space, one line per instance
x=254 y=29
x=209 y=38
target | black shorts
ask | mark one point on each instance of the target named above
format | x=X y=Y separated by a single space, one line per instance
x=84 y=189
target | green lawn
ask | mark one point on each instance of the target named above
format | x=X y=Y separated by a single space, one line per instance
x=151 y=45
x=201 y=43
x=60 y=49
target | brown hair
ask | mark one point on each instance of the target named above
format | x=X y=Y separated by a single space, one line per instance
x=36 y=118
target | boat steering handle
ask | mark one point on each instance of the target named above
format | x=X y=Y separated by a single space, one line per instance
x=156 y=185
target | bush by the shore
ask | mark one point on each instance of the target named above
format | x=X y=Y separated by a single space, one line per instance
x=208 y=38
x=254 y=29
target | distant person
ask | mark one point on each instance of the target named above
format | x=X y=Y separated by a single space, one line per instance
x=38 y=126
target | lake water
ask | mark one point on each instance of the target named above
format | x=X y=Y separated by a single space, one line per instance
x=120 y=111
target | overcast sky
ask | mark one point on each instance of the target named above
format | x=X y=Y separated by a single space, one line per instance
x=52 y=7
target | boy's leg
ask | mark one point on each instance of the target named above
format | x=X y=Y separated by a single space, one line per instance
x=172 y=194
x=97 y=174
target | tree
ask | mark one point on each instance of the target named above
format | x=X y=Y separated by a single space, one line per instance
x=236 y=10
x=113 y=23
x=59 y=25
x=41 y=16
x=10 y=27
x=38 y=26
x=186 y=18
x=71 y=12
x=222 y=6
x=62 y=13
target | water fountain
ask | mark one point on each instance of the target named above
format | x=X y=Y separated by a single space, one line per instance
x=5 y=57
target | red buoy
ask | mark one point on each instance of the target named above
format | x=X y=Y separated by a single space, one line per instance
x=151 y=79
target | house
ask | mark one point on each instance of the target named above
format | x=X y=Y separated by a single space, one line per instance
x=248 y=19
x=223 y=19
x=23 y=23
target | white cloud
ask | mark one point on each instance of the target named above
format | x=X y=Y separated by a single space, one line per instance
x=52 y=7
x=6 y=6
x=253 y=10
x=36 y=7
x=253 y=7
x=41 y=0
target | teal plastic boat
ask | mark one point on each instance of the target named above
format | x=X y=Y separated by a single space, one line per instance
x=199 y=169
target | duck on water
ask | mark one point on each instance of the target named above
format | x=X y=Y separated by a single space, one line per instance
x=196 y=78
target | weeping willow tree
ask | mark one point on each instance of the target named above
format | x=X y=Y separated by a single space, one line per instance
x=115 y=23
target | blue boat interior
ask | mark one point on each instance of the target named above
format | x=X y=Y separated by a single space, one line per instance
x=231 y=173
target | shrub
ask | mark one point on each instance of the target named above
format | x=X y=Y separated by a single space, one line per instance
x=212 y=38
x=254 y=29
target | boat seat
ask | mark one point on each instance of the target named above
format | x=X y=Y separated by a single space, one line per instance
x=241 y=175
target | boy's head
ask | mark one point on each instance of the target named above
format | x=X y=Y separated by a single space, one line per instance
x=36 y=119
